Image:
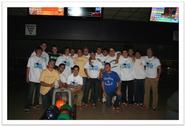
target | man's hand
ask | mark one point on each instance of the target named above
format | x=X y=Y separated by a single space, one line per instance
x=104 y=94
x=27 y=80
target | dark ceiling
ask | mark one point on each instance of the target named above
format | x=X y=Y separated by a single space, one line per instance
x=126 y=14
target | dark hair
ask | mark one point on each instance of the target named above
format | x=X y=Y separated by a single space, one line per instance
x=43 y=43
x=76 y=66
x=51 y=60
x=54 y=46
x=38 y=48
x=62 y=64
x=107 y=64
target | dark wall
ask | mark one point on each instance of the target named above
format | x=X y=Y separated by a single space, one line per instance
x=87 y=29
x=78 y=33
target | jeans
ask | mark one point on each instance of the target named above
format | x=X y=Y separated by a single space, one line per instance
x=47 y=99
x=109 y=99
x=139 y=92
x=85 y=81
x=130 y=86
x=31 y=88
x=93 y=85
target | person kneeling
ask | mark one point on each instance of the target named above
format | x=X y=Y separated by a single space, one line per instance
x=110 y=85
x=75 y=83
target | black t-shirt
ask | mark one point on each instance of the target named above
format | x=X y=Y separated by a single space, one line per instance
x=53 y=56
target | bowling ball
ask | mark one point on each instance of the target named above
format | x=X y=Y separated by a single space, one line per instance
x=52 y=113
x=64 y=116
x=66 y=107
x=59 y=103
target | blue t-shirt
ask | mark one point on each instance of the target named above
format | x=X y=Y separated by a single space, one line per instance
x=110 y=81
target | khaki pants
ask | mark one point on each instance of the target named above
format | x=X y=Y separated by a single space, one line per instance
x=77 y=98
x=151 y=84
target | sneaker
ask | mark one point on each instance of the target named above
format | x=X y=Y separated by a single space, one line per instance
x=94 y=105
x=124 y=103
x=154 y=109
x=36 y=106
x=27 y=109
x=117 y=108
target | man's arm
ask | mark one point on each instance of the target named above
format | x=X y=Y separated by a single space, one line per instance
x=85 y=70
x=158 y=71
x=27 y=74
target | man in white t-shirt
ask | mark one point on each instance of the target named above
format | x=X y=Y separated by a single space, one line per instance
x=86 y=52
x=63 y=77
x=104 y=57
x=127 y=77
x=67 y=60
x=139 y=74
x=153 y=71
x=113 y=60
x=44 y=55
x=34 y=68
x=93 y=70
x=99 y=54
x=75 y=83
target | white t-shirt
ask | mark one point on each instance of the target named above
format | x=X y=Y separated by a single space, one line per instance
x=126 y=68
x=68 y=61
x=99 y=57
x=114 y=65
x=74 y=80
x=93 y=70
x=138 y=70
x=103 y=59
x=36 y=65
x=151 y=66
x=44 y=55
x=63 y=77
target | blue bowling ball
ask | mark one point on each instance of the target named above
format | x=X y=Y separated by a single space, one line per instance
x=52 y=113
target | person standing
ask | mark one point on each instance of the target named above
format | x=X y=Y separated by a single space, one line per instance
x=48 y=78
x=153 y=71
x=67 y=60
x=93 y=70
x=113 y=60
x=111 y=86
x=75 y=83
x=81 y=60
x=127 y=78
x=34 y=68
x=53 y=55
x=139 y=75
x=44 y=55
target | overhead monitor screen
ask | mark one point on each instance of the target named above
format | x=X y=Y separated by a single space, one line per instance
x=48 y=11
x=165 y=14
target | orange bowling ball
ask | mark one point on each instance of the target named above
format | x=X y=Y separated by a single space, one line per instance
x=59 y=103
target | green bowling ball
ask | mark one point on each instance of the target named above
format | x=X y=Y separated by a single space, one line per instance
x=66 y=107
x=64 y=116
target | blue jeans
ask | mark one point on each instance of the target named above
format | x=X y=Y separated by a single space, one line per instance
x=109 y=99
x=31 y=88
x=93 y=85
x=47 y=99
x=139 y=92
x=85 y=81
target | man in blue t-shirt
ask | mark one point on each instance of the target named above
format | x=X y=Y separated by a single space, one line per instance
x=110 y=85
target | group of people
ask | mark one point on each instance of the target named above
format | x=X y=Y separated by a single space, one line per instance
x=122 y=77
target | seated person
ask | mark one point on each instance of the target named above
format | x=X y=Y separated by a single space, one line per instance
x=63 y=77
x=75 y=83
x=111 y=88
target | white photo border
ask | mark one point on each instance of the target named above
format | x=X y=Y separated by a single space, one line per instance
x=4 y=85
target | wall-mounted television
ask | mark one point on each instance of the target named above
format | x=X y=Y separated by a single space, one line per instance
x=165 y=14
x=47 y=11
x=84 y=11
